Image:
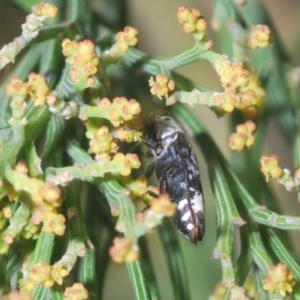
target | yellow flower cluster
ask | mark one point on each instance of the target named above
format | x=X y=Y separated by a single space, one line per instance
x=36 y=88
x=139 y=190
x=123 y=249
x=270 y=166
x=127 y=134
x=102 y=144
x=242 y=90
x=162 y=86
x=280 y=280
x=119 y=110
x=122 y=164
x=260 y=37
x=17 y=88
x=44 y=9
x=30 y=231
x=76 y=292
x=250 y=97
x=160 y=207
x=192 y=20
x=163 y=205
x=58 y=272
x=227 y=100
x=124 y=39
x=19 y=93
x=243 y=137
x=45 y=198
x=83 y=62
x=41 y=274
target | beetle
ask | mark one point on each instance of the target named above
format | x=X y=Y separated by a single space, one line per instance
x=177 y=173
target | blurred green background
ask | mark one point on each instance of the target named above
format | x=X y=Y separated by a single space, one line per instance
x=161 y=35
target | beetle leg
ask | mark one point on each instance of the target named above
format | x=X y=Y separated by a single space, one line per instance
x=162 y=185
x=150 y=168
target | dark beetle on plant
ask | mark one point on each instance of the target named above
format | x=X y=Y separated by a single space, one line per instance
x=177 y=173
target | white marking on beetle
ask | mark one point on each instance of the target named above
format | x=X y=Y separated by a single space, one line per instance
x=197 y=202
x=186 y=216
x=190 y=226
x=182 y=203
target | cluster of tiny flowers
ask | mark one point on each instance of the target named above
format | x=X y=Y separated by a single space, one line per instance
x=140 y=192
x=242 y=90
x=30 y=30
x=37 y=274
x=36 y=88
x=30 y=231
x=271 y=167
x=119 y=110
x=44 y=10
x=102 y=143
x=162 y=86
x=41 y=274
x=231 y=74
x=243 y=137
x=226 y=101
x=123 y=164
x=124 y=249
x=58 y=271
x=260 y=36
x=18 y=91
x=83 y=62
x=192 y=21
x=250 y=97
x=45 y=197
x=160 y=207
x=280 y=280
x=76 y=292
x=124 y=39
x=126 y=134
